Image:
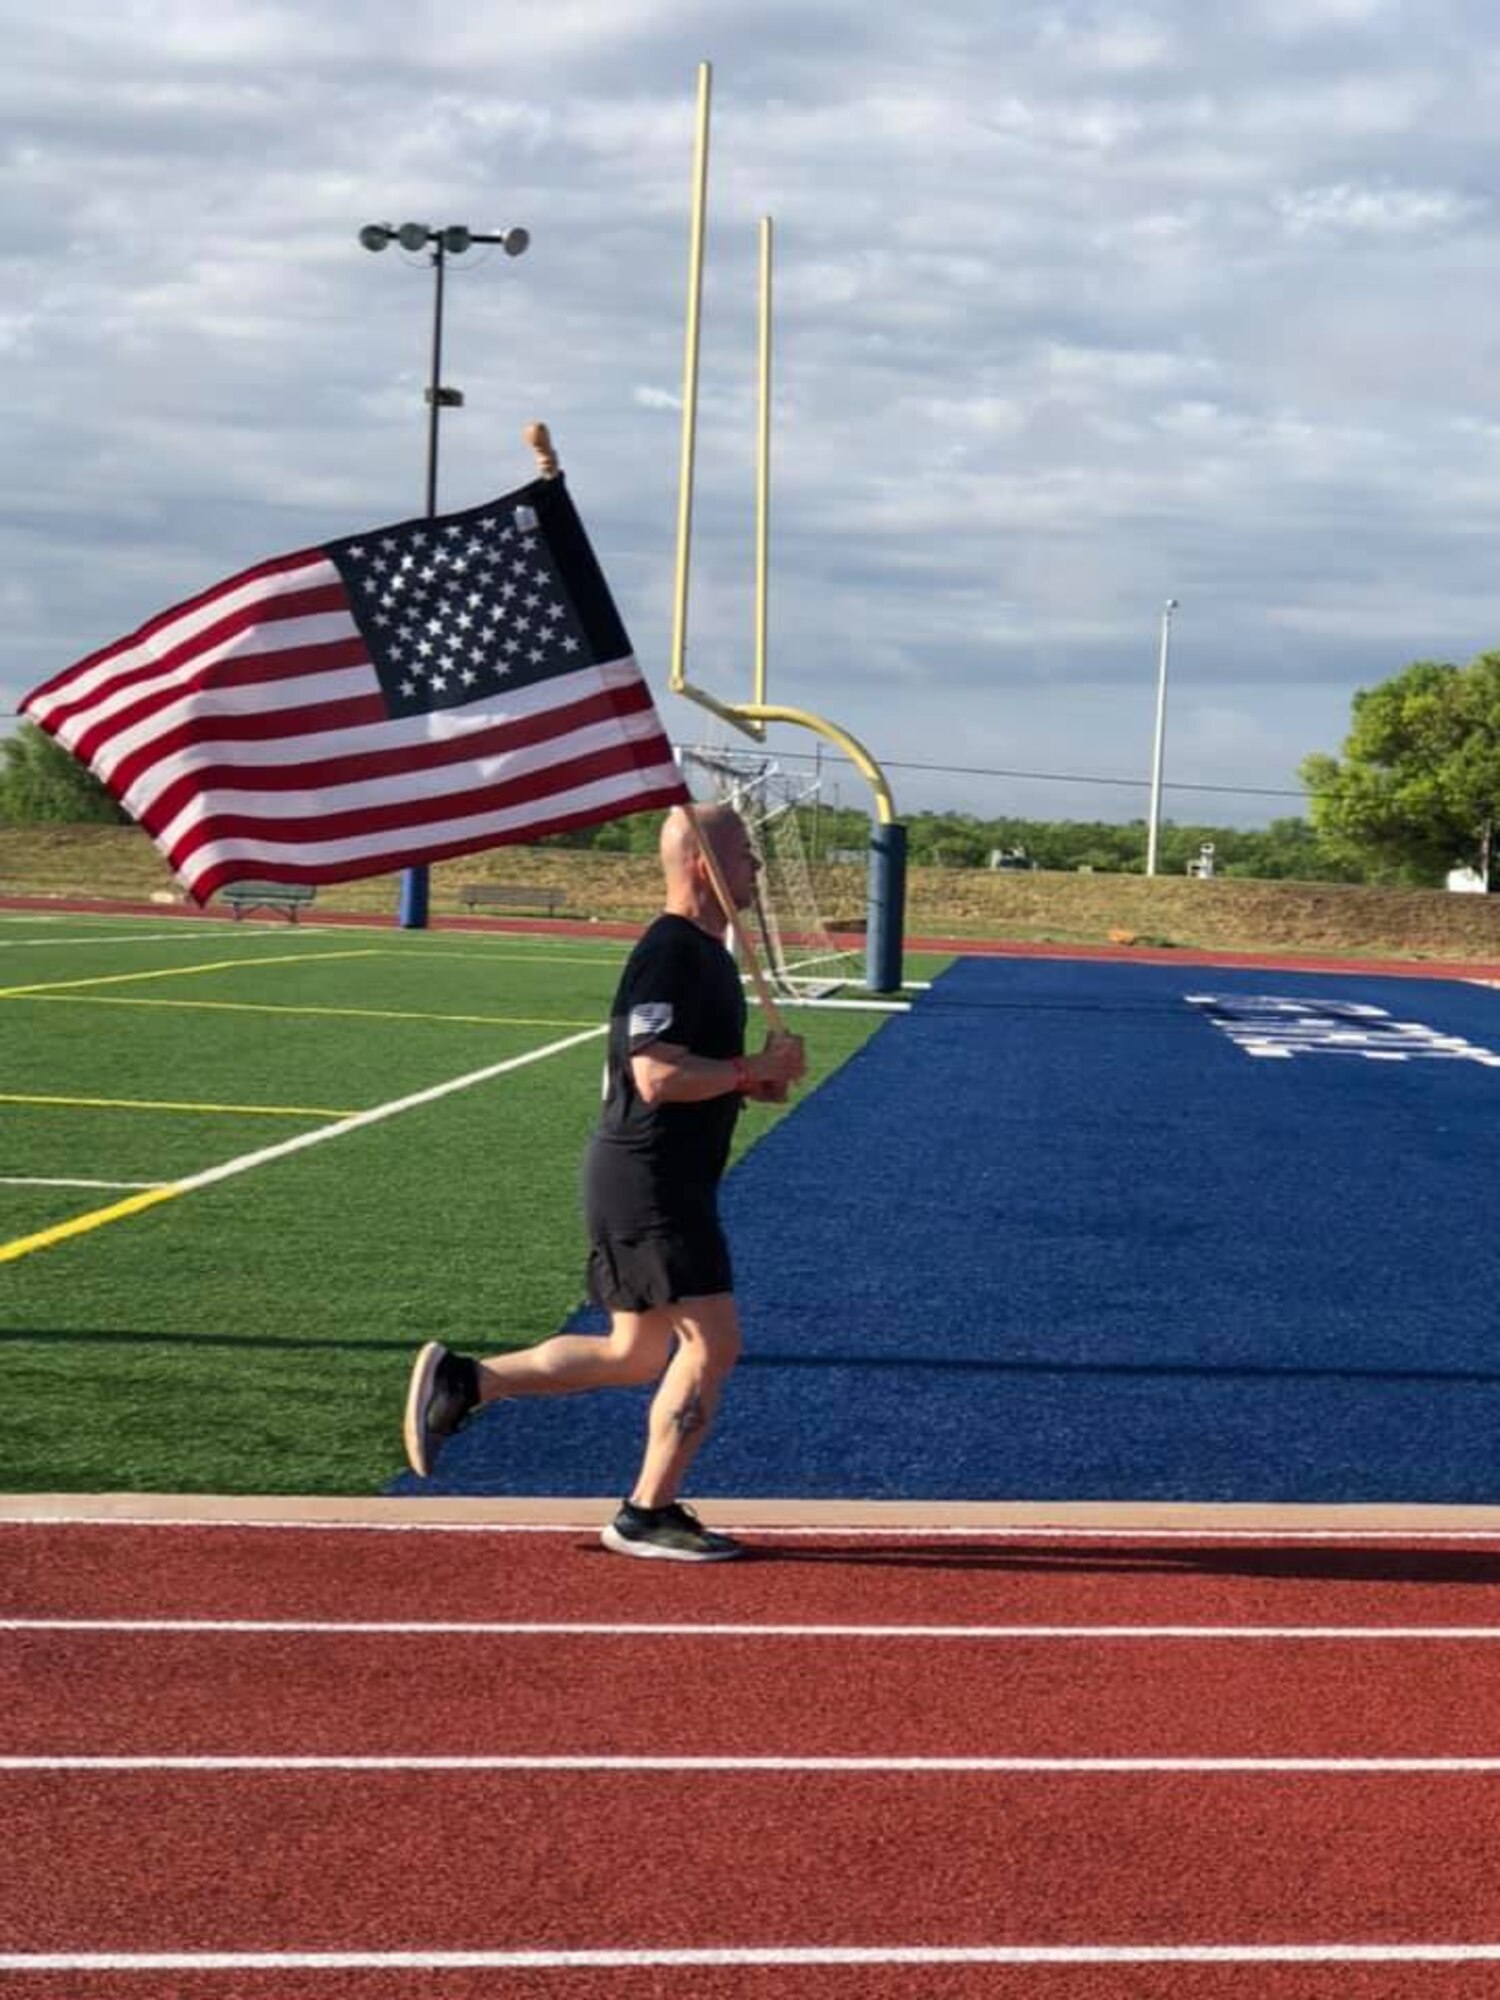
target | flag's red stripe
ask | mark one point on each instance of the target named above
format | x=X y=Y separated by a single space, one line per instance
x=398 y=816
x=354 y=712
x=337 y=656
x=275 y=566
x=203 y=886
x=315 y=601
x=357 y=765
x=170 y=663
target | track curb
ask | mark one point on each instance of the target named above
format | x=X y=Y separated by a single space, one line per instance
x=1183 y=1517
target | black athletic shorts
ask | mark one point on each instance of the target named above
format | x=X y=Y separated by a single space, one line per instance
x=634 y=1273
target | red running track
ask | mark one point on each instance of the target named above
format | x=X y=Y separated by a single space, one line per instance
x=1038 y=1578
x=237 y=1694
x=1095 y=1864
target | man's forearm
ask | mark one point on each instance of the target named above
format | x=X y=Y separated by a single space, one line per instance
x=683 y=1078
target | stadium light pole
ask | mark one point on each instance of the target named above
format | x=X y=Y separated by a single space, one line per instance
x=1154 y=822
x=442 y=244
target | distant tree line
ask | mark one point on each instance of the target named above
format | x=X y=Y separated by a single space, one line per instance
x=1415 y=793
x=41 y=784
x=1287 y=850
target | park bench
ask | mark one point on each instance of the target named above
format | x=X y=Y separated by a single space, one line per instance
x=501 y=895
x=288 y=897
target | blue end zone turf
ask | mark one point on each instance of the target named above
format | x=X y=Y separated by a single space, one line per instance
x=1057 y=1235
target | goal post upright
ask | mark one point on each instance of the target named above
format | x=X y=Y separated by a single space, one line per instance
x=886 y=880
x=677 y=677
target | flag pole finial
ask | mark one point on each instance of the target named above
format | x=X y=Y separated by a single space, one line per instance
x=540 y=439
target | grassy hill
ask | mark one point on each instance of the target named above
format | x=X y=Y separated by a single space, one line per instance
x=119 y=863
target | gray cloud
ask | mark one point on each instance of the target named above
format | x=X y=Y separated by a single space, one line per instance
x=1076 y=306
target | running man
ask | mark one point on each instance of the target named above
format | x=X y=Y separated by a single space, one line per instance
x=658 y=1261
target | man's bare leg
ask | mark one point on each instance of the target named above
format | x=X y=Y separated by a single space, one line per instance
x=636 y=1349
x=708 y=1345
x=444 y=1387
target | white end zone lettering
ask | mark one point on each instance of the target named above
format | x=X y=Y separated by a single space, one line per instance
x=1269 y=1026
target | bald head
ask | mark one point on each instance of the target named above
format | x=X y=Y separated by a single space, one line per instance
x=680 y=848
x=689 y=882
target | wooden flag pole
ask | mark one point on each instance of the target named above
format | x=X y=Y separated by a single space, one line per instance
x=540 y=440
x=768 y=1005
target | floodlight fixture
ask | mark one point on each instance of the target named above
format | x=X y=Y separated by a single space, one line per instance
x=376 y=235
x=413 y=235
x=514 y=241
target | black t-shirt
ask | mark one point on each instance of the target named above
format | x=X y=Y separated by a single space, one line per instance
x=651 y=1163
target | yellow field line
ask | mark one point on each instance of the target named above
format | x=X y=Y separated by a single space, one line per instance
x=280 y=1007
x=495 y=957
x=162 y=1104
x=22 y=1246
x=59 y=1233
x=180 y=971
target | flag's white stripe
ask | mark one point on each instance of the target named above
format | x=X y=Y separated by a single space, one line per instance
x=648 y=1629
x=627 y=1959
x=499 y=709
x=481 y=828
x=282 y=696
x=286 y=694
x=358 y=793
x=1005 y=1767
x=127 y=656
x=258 y=642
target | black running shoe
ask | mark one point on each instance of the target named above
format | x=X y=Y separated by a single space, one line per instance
x=675 y=1534
x=444 y=1388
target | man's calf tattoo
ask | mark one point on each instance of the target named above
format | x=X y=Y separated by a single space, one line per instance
x=690 y=1417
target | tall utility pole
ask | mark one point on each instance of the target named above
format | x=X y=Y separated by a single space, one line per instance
x=1154 y=817
x=443 y=243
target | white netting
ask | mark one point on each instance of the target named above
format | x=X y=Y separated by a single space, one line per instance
x=801 y=957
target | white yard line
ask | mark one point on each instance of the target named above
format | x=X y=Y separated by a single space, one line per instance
x=179 y=936
x=43 y=1180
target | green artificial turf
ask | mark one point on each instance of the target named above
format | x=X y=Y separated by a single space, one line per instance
x=253 y=1335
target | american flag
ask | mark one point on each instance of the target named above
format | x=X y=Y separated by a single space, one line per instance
x=390 y=699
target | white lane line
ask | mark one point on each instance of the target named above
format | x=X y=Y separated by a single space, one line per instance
x=1017 y=1767
x=397 y=1628
x=749 y=1955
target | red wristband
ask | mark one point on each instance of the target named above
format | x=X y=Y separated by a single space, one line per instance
x=743 y=1080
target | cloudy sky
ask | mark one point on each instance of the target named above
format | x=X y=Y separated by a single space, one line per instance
x=1079 y=306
